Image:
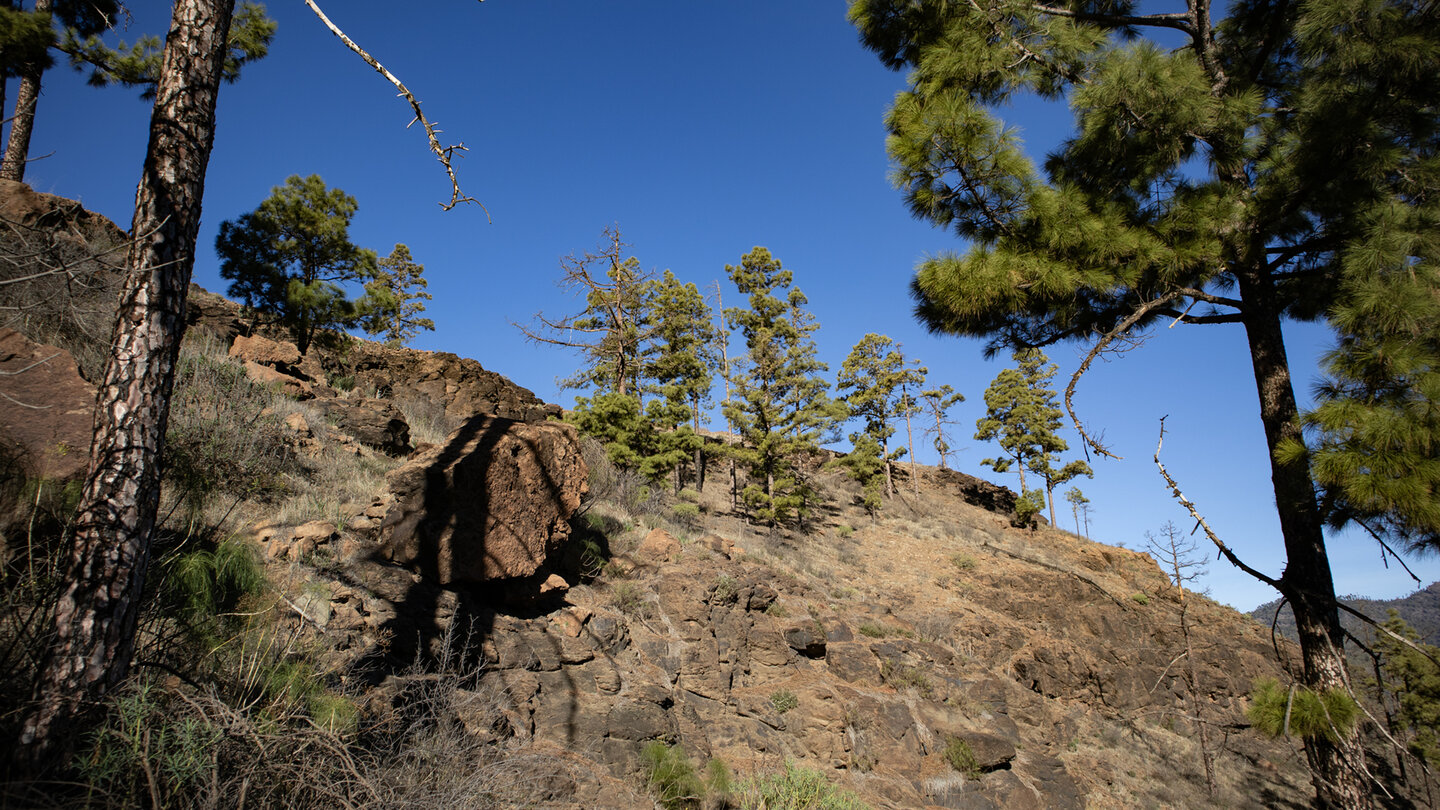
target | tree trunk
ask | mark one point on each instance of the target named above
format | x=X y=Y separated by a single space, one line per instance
x=1306 y=582
x=910 y=441
x=96 y=615
x=17 y=148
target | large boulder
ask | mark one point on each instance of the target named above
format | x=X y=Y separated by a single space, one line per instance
x=47 y=410
x=493 y=503
x=373 y=422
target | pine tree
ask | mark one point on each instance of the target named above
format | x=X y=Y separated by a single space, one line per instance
x=139 y=65
x=1079 y=507
x=1023 y=417
x=291 y=258
x=611 y=332
x=778 y=403
x=1222 y=171
x=1415 y=680
x=936 y=403
x=874 y=374
x=680 y=363
x=395 y=299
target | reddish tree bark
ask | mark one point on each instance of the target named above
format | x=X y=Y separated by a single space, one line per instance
x=96 y=616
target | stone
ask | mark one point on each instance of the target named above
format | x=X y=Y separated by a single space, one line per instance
x=493 y=503
x=47 y=410
x=804 y=639
x=287 y=384
x=853 y=663
x=657 y=547
x=373 y=422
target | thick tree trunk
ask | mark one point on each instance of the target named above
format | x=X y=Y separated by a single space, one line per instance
x=27 y=96
x=96 y=615
x=1306 y=582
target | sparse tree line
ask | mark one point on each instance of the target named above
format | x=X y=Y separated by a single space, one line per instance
x=653 y=347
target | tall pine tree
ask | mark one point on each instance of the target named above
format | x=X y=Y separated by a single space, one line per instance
x=778 y=403
x=1222 y=171
x=873 y=377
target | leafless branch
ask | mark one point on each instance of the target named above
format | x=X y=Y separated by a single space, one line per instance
x=1178 y=20
x=1100 y=346
x=1200 y=519
x=442 y=153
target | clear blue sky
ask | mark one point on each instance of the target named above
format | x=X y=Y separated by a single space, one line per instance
x=701 y=129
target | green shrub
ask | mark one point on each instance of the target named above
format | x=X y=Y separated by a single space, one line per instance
x=207 y=581
x=963 y=562
x=961 y=757
x=904 y=676
x=844 y=531
x=690 y=496
x=670 y=776
x=141 y=735
x=725 y=590
x=1140 y=598
x=686 y=514
x=630 y=599
x=1027 y=506
x=795 y=789
x=783 y=701
x=1329 y=714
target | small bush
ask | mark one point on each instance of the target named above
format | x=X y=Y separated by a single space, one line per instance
x=1330 y=714
x=1140 y=598
x=904 y=676
x=795 y=789
x=670 y=776
x=963 y=562
x=844 y=531
x=630 y=599
x=961 y=758
x=874 y=630
x=783 y=701
x=690 y=496
x=686 y=514
x=725 y=590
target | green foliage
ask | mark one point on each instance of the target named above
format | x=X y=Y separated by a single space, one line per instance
x=222 y=437
x=961 y=758
x=795 y=788
x=396 y=298
x=138 y=65
x=290 y=259
x=670 y=776
x=630 y=599
x=25 y=40
x=1023 y=416
x=1415 y=680
x=866 y=465
x=139 y=740
x=963 y=562
x=783 y=700
x=1027 y=506
x=1140 y=598
x=1330 y=714
x=1079 y=508
x=778 y=404
x=205 y=582
x=907 y=676
x=878 y=378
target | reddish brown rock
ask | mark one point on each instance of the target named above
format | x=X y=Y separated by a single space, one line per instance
x=493 y=503
x=657 y=547
x=459 y=385
x=47 y=410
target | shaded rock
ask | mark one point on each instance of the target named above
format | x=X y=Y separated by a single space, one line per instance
x=287 y=384
x=853 y=663
x=373 y=422
x=493 y=503
x=806 y=640
x=47 y=410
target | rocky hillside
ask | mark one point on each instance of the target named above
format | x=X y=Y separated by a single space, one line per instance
x=568 y=617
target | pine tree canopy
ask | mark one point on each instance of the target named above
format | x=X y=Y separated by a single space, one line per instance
x=138 y=64
x=290 y=259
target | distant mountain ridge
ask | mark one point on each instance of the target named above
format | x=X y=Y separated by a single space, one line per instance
x=1421 y=610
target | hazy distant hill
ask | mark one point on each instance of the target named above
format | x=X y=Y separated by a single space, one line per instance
x=1420 y=609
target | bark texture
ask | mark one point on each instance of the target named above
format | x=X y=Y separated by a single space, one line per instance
x=1307 y=582
x=27 y=96
x=96 y=615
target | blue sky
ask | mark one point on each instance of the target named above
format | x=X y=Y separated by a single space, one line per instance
x=700 y=129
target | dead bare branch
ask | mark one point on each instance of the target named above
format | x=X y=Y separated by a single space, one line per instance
x=442 y=153
x=1200 y=519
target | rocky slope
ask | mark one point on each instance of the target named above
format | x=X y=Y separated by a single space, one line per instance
x=934 y=655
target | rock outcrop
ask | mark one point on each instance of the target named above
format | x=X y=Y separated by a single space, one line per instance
x=493 y=503
x=46 y=408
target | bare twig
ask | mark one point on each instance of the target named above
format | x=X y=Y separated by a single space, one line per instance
x=442 y=153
